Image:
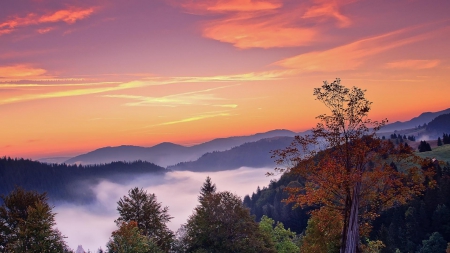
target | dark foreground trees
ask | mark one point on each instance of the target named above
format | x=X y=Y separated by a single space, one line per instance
x=26 y=224
x=222 y=224
x=345 y=167
x=150 y=217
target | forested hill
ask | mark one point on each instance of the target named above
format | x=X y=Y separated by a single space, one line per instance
x=66 y=182
x=403 y=227
x=253 y=154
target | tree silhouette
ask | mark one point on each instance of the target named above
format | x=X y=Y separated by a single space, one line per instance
x=347 y=168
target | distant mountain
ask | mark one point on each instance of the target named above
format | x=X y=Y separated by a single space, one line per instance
x=439 y=125
x=423 y=118
x=253 y=154
x=166 y=153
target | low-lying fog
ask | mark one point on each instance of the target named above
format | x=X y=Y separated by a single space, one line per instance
x=91 y=225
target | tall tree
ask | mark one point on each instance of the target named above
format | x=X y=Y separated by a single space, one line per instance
x=345 y=166
x=207 y=188
x=27 y=224
x=150 y=216
x=222 y=224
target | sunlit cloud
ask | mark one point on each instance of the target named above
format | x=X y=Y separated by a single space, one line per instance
x=230 y=5
x=193 y=118
x=324 y=9
x=248 y=31
x=188 y=98
x=150 y=81
x=267 y=24
x=352 y=55
x=69 y=16
x=21 y=71
x=44 y=30
x=413 y=64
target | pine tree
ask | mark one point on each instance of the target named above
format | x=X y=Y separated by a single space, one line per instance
x=207 y=188
x=439 y=143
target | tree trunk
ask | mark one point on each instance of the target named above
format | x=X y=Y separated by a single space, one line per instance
x=352 y=236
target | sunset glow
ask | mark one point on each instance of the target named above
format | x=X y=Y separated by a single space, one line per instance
x=80 y=75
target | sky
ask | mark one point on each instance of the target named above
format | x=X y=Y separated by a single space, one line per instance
x=79 y=75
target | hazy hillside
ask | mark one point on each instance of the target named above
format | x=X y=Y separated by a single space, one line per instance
x=67 y=182
x=166 y=153
x=423 y=118
x=439 y=125
x=252 y=154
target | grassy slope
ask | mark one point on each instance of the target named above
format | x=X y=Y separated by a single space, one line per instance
x=441 y=153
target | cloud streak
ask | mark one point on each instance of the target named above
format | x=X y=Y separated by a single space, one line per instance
x=352 y=55
x=150 y=81
x=69 y=16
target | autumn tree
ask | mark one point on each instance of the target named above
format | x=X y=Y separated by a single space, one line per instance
x=151 y=218
x=129 y=239
x=346 y=167
x=27 y=224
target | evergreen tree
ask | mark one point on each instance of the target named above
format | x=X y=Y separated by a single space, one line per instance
x=222 y=224
x=150 y=216
x=207 y=188
x=424 y=146
x=27 y=224
x=435 y=244
x=439 y=142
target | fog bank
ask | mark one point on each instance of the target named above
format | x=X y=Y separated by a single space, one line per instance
x=91 y=225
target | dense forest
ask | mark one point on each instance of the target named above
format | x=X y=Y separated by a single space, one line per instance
x=403 y=227
x=66 y=182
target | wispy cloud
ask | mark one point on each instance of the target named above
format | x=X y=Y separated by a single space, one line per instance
x=197 y=97
x=150 y=81
x=266 y=24
x=21 y=71
x=413 y=64
x=193 y=118
x=352 y=55
x=69 y=16
x=324 y=9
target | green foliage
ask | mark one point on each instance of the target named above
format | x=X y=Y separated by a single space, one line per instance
x=129 y=239
x=435 y=244
x=150 y=216
x=281 y=237
x=26 y=224
x=222 y=224
x=373 y=246
x=323 y=234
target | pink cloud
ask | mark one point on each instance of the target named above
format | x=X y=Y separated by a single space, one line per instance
x=266 y=24
x=413 y=64
x=70 y=16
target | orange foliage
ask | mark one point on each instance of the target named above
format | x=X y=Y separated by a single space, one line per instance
x=344 y=162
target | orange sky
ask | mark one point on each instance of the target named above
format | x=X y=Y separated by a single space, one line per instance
x=80 y=75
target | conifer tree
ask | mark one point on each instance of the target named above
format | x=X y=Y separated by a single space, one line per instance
x=150 y=216
x=207 y=188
